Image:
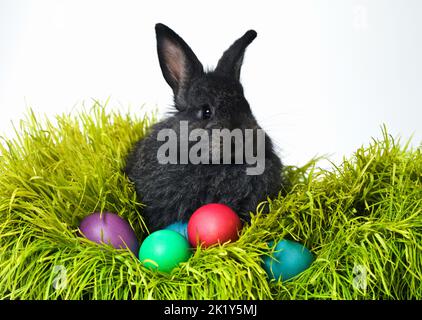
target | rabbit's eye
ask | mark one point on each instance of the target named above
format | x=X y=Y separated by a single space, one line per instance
x=206 y=112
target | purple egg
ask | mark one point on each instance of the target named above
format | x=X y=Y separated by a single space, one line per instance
x=111 y=229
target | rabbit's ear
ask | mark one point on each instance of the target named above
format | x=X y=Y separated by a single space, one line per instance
x=231 y=61
x=177 y=61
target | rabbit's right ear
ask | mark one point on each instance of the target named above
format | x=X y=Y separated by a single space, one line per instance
x=232 y=59
x=177 y=61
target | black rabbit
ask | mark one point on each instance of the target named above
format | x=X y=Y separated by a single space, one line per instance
x=207 y=101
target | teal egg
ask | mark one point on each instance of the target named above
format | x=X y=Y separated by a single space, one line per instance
x=180 y=227
x=288 y=259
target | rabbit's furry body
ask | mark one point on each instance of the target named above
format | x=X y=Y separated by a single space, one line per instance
x=212 y=100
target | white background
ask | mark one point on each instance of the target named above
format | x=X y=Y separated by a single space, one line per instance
x=321 y=77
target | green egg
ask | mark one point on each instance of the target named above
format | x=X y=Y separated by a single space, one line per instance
x=163 y=250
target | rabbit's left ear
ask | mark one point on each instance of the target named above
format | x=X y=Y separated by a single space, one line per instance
x=177 y=61
x=231 y=61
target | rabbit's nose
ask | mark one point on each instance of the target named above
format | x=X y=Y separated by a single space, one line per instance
x=219 y=125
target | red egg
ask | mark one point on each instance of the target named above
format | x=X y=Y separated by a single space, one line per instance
x=213 y=223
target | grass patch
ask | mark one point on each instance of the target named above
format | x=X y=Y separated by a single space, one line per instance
x=361 y=219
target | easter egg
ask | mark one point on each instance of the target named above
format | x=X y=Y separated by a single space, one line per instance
x=288 y=259
x=163 y=250
x=109 y=228
x=180 y=227
x=213 y=223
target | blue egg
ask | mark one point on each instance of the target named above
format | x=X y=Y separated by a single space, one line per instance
x=288 y=259
x=180 y=227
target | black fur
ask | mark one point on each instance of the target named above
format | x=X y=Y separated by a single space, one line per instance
x=172 y=192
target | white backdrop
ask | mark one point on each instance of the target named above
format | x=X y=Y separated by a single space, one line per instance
x=321 y=77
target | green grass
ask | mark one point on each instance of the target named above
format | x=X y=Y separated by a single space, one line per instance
x=365 y=213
